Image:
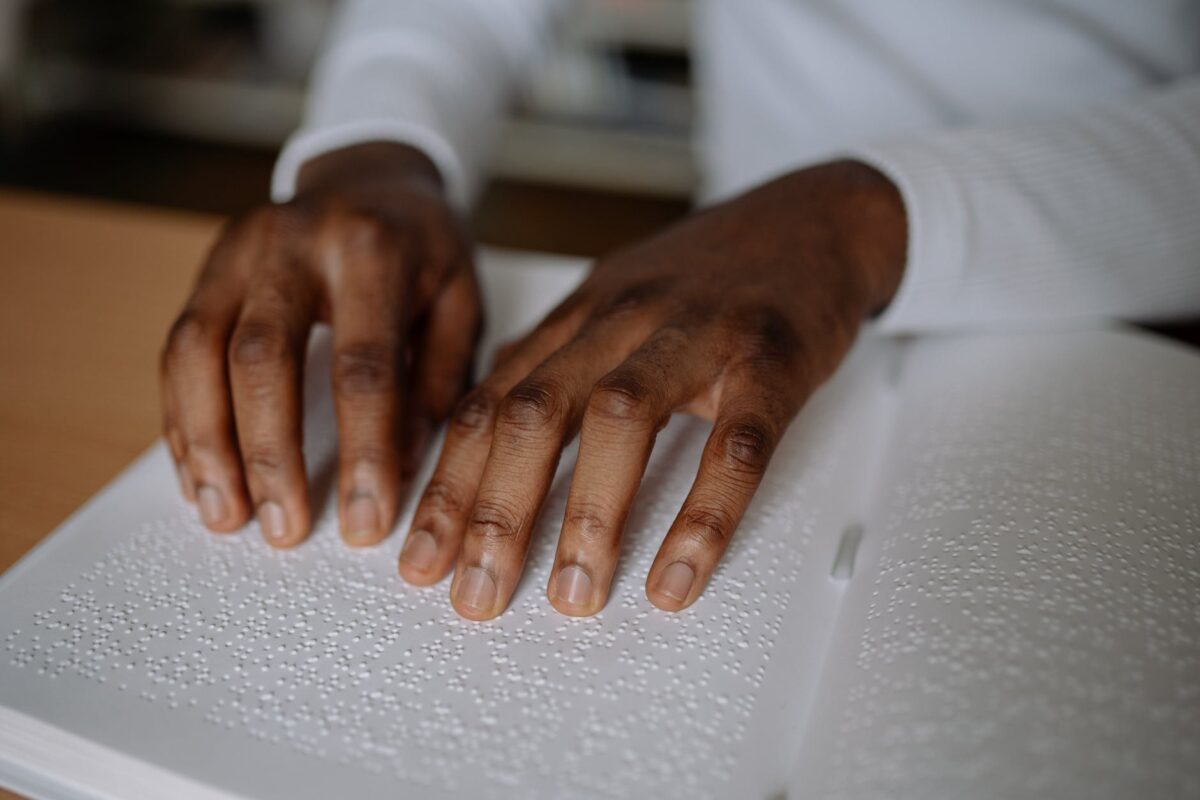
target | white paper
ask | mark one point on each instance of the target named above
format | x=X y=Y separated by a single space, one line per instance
x=141 y=656
x=132 y=636
x=1029 y=620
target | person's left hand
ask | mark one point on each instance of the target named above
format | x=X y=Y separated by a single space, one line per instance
x=736 y=314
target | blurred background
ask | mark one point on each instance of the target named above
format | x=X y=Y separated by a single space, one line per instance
x=184 y=104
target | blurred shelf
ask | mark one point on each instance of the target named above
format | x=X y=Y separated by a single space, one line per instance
x=234 y=112
x=588 y=157
x=647 y=24
x=567 y=152
x=599 y=113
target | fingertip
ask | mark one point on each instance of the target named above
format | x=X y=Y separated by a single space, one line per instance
x=363 y=539
x=673 y=588
x=568 y=610
x=570 y=591
x=219 y=511
x=421 y=562
x=362 y=521
x=285 y=544
x=472 y=613
x=225 y=528
x=474 y=594
x=664 y=603
x=281 y=529
x=419 y=577
x=294 y=538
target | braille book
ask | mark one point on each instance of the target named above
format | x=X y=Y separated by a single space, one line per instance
x=972 y=570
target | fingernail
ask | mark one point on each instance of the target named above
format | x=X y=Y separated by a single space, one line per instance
x=272 y=520
x=573 y=586
x=420 y=550
x=676 y=581
x=476 y=589
x=211 y=504
x=362 y=518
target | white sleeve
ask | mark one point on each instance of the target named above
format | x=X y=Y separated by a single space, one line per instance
x=434 y=74
x=1092 y=214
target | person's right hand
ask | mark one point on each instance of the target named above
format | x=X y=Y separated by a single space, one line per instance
x=371 y=246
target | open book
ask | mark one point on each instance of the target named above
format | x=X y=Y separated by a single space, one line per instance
x=973 y=570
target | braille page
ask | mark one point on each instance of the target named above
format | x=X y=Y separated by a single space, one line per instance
x=1027 y=622
x=143 y=655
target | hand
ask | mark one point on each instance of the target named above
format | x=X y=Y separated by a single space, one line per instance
x=370 y=246
x=736 y=314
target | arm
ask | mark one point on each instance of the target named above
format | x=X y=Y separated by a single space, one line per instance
x=736 y=314
x=431 y=75
x=739 y=312
x=1094 y=214
x=363 y=236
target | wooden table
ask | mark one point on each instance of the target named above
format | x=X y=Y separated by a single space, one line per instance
x=87 y=291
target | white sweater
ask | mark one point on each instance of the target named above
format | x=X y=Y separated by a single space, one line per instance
x=1048 y=151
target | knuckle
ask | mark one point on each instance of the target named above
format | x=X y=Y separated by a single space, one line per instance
x=707 y=526
x=190 y=333
x=197 y=443
x=358 y=231
x=365 y=368
x=534 y=405
x=588 y=523
x=276 y=224
x=495 y=520
x=771 y=337
x=474 y=413
x=444 y=496
x=265 y=461
x=745 y=445
x=623 y=397
x=259 y=344
x=636 y=297
x=368 y=451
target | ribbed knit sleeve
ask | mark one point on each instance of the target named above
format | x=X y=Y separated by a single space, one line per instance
x=433 y=74
x=1090 y=215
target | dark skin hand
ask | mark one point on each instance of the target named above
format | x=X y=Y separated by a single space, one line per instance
x=737 y=314
x=370 y=246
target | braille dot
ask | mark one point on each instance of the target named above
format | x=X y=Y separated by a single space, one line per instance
x=324 y=651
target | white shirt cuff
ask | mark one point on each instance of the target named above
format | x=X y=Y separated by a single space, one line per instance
x=307 y=144
x=938 y=228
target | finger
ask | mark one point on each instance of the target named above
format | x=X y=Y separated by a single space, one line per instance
x=266 y=356
x=749 y=424
x=198 y=418
x=174 y=440
x=371 y=308
x=443 y=361
x=624 y=413
x=503 y=352
x=441 y=514
x=534 y=421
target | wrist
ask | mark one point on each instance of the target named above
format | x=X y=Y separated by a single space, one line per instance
x=877 y=232
x=866 y=216
x=368 y=168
